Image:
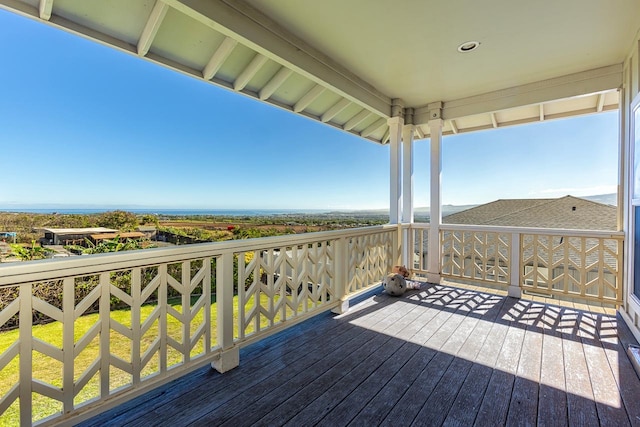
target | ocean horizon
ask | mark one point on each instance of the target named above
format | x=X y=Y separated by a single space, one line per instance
x=167 y=211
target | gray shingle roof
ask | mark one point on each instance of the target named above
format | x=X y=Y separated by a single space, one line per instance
x=566 y=212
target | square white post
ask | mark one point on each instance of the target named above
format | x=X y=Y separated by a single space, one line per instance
x=395 y=183
x=435 y=210
x=229 y=357
x=514 y=282
x=407 y=188
x=341 y=276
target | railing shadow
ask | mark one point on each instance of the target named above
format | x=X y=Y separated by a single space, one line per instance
x=334 y=370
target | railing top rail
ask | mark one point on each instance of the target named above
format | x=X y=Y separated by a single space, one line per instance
x=528 y=230
x=20 y=272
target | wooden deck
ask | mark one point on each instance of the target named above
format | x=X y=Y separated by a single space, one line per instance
x=438 y=356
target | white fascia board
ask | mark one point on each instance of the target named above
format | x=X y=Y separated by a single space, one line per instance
x=258 y=32
x=583 y=83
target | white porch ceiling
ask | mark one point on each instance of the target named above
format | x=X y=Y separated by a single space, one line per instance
x=342 y=62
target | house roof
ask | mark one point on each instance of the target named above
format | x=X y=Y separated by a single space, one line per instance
x=351 y=64
x=566 y=212
x=126 y=235
x=87 y=231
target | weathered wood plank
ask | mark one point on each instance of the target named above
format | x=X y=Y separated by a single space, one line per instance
x=465 y=407
x=495 y=404
x=580 y=404
x=523 y=408
x=552 y=398
x=623 y=372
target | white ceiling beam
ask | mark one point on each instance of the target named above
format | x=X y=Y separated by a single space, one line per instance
x=583 y=83
x=373 y=128
x=385 y=137
x=308 y=98
x=542 y=112
x=335 y=110
x=454 y=128
x=355 y=120
x=600 y=104
x=152 y=26
x=44 y=9
x=276 y=81
x=494 y=121
x=420 y=132
x=255 y=30
x=247 y=74
x=218 y=58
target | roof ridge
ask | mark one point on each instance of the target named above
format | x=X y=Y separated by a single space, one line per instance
x=586 y=200
x=543 y=201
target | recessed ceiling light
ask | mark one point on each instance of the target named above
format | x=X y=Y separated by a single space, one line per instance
x=468 y=46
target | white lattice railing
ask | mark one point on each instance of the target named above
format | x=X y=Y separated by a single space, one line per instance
x=129 y=321
x=574 y=263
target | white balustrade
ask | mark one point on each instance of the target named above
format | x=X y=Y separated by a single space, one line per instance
x=580 y=264
x=133 y=320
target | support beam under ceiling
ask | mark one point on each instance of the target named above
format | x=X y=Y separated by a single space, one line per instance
x=586 y=82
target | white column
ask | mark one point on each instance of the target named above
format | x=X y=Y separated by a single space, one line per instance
x=395 y=155
x=407 y=173
x=407 y=191
x=229 y=357
x=435 y=211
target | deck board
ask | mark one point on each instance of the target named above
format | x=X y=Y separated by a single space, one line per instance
x=440 y=356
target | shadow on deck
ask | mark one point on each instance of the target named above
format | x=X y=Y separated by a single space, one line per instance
x=438 y=356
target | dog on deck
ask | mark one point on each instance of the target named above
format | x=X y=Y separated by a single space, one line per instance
x=396 y=283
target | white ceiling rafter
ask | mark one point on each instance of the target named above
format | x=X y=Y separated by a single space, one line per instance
x=152 y=26
x=542 y=112
x=373 y=128
x=276 y=81
x=454 y=128
x=494 y=121
x=386 y=136
x=335 y=110
x=247 y=74
x=256 y=31
x=218 y=58
x=44 y=9
x=308 y=98
x=600 y=102
x=419 y=132
x=355 y=120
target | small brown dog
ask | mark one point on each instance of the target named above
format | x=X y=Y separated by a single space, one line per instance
x=401 y=270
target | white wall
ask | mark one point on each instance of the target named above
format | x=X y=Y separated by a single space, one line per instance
x=630 y=94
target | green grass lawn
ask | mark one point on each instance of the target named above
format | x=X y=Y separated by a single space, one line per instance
x=49 y=370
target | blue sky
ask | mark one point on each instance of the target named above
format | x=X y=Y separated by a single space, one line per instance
x=82 y=125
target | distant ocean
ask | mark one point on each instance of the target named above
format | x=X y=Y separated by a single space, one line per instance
x=176 y=212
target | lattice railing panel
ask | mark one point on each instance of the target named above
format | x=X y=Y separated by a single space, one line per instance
x=476 y=255
x=371 y=257
x=583 y=267
x=278 y=284
x=82 y=338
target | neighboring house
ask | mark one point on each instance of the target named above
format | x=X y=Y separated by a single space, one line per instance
x=150 y=231
x=134 y=235
x=567 y=212
x=6 y=236
x=65 y=236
